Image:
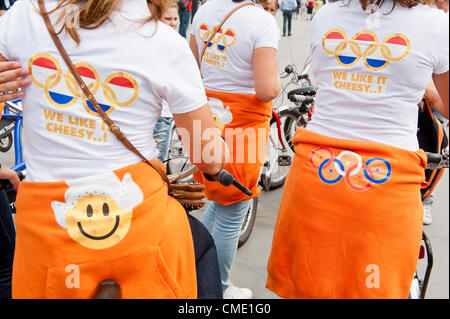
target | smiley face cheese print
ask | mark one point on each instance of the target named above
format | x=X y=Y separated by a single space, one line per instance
x=215 y=51
x=97 y=212
x=364 y=47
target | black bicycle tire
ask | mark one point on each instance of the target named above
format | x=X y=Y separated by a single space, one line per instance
x=294 y=114
x=5 y=149
x=243 y=237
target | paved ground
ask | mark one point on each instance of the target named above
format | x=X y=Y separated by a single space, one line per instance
x=249 y=269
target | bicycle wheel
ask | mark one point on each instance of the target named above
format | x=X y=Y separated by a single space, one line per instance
x=249 y=222
x=6 y=143
x=294 y=120
x=177 y=159
x=277 y=154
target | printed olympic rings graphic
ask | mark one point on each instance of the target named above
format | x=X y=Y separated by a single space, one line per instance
x=222 y=39
x=61 y=90
x=349 y=166
x=366 y=46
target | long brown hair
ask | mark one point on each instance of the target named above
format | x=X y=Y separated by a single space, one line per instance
x=91 y=14
x=261 y=2
x=403 y=3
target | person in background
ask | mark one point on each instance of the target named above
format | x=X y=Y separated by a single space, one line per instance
x=194 y=7
x=184 y=11
x=434 y=99
x=442 y=4
x=317 y=5
x=297 y=10
x=271 y=7
x=303 y=9
x=310 y=8
x=164 y=125
x=287 y=7
x=5 y=5
x=7 y=235
x=240 y=91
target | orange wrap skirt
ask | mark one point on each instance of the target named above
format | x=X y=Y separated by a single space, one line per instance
x=243 y=120
x=120 y=225
x=350 y=220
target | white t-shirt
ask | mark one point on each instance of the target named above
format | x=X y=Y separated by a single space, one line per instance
x=372 y=71
x=129 y=67
x=227 y=65
x=165 y=110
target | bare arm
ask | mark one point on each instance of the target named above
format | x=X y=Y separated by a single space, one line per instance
x=441 y=82
x=432 y=95
x=194 y=49
x=199 y=134
x=12 y=77
x=266 y=74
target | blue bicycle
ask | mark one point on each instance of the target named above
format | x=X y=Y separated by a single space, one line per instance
x=11 y=130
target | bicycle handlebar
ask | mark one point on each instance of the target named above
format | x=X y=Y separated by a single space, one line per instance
x=289 y=69
x=5 y=184
x=226 y=179
x=304 y=76
x=297 y=98
x=437 y=161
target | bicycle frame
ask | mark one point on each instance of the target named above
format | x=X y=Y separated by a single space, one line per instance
x=18 y=118
x=280 y=136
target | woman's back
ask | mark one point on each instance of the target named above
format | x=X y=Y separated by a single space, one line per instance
x=372 y=70
x=227 y=65
x=127 y=63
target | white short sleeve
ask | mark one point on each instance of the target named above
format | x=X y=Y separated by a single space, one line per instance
x=5 y=21
x=267 y=33
x=440 y=50
x=184 y=91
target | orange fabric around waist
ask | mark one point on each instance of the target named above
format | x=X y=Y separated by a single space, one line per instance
x=243 y=120
x=350 y=220
x=120 y=225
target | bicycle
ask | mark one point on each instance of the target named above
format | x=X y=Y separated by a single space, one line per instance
x=11 y=118
x=419 y=285
x=283 y=124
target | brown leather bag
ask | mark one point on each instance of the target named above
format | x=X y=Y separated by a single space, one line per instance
x=190 y=195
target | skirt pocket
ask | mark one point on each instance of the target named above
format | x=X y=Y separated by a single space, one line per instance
x=141 y=275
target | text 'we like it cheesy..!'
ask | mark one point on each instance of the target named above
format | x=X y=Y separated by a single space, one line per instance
x=76 y=127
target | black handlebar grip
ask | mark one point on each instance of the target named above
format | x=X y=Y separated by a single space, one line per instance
x=223 y=177
x=303 y=76
x=21 y=175
x=226 y=179
x=301 y=98
x=433 y=158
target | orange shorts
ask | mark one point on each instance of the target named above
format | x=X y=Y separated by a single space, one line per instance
x=350 y=220
x=120 y=225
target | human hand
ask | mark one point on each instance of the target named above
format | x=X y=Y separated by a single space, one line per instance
x=7 y=173
x=12 y=77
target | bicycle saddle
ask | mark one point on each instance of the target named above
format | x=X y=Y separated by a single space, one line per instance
x=108 y=289
x=308 y=91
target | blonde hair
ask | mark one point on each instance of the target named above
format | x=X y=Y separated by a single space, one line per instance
x=93 y=13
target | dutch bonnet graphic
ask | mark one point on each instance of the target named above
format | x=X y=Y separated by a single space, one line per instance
x=97 y=212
